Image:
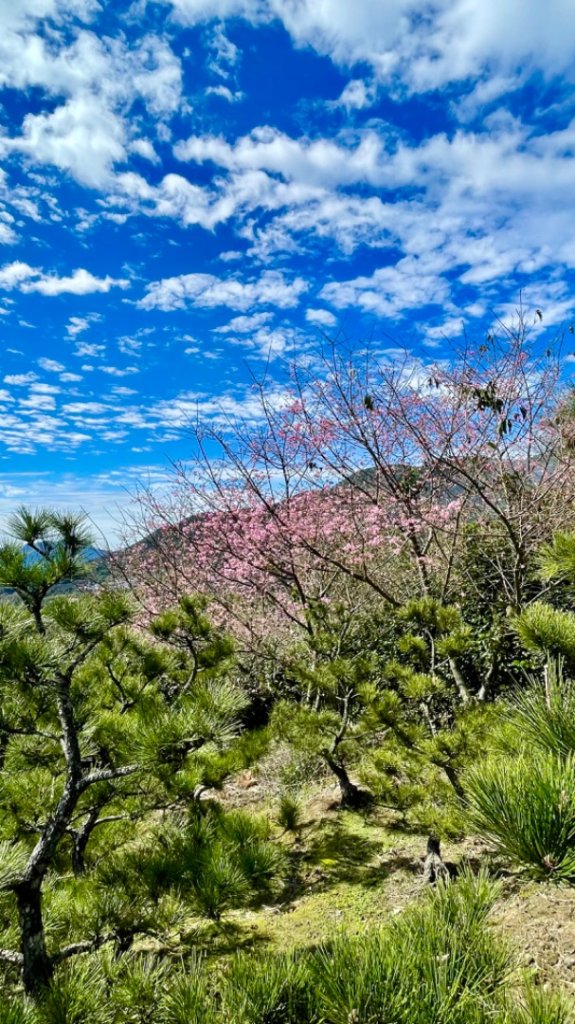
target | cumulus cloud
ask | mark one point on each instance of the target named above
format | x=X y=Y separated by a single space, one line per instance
x=95 y=80
x=119 y=371
x=225 y=93
x=76 y=325
x=422 y=45
x=51 y=365
x=83 y=137
x=244 y=324
x=20 y=379
x=392 y=291
x=320 y=317
x=206 y=290
x=30 y=279
x=309 y=161
x=357 y=94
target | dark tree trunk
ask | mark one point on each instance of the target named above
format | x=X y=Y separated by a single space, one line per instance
x=78 y=850
x=37 y=967
x=351 y=795
x=36 y=610
x=434 y=869
x=81 y=838
x=453 y=776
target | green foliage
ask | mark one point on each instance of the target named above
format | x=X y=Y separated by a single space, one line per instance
x=100 y=728
x=212 y=860
x=48 y=550
x=542 y=717
x=275 y=990
x=186 y=999
x=439 y=961
x=547 y=631
x=188 y=630
x=16 y=1011
x=289 y=812
x=77 y=996
x=557 y=560
x=525 y=806
x=540 y=1006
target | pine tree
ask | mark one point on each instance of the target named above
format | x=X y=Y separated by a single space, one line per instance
x=98 y=726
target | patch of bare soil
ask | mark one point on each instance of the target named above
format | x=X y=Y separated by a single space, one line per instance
x=538 y=920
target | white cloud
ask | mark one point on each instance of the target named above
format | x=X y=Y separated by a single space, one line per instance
x=239 y=406
x=7 y=234
x=225 y=93
x=12 y=275
x=83 y=137
x=76 y=325
x=225 y=53
x=116 y=371
x=391 y=291
x=358 y=94
x=83 y=408
x=91 y=349
x=38 y=401
x=19 y=379
x=45 y=389
x=103 y=496
x=95 y=80
x=315 y=162
x=321 y=317
x=206 y=290
x=31 y=279
x=145 y=149
x=244 y=324
x=51 y=365
x=424 y=45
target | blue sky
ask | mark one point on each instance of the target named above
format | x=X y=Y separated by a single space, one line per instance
x=194 y=189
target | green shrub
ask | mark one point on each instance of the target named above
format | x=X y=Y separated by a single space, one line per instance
x=437 y=962
x=186 y=999
x=17 y=1011
x=275 y=989
x=525 y=806
x=218 y=884
x=77 y=995
x=539 y=1006
x=547 y=631
x=289 y=813
x=544 y=716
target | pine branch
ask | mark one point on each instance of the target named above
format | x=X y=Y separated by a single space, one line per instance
x=107 y=774
x=11 y=956
x=86 y=946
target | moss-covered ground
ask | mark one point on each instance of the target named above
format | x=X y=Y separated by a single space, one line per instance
x=349 y=871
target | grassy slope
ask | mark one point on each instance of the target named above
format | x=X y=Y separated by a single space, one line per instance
x=351 y=871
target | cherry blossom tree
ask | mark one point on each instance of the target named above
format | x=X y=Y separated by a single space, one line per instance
x=371 y=470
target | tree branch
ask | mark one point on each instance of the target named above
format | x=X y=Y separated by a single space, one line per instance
x=107 y=774
x=11 y=956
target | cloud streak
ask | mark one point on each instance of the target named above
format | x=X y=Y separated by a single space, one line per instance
x=24 y=278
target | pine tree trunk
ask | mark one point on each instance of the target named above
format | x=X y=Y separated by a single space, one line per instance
x=78 y=859
x=453 y=776
x=351 y=795
x=37 y=968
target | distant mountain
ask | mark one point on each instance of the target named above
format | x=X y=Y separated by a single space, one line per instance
x=90 y=554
